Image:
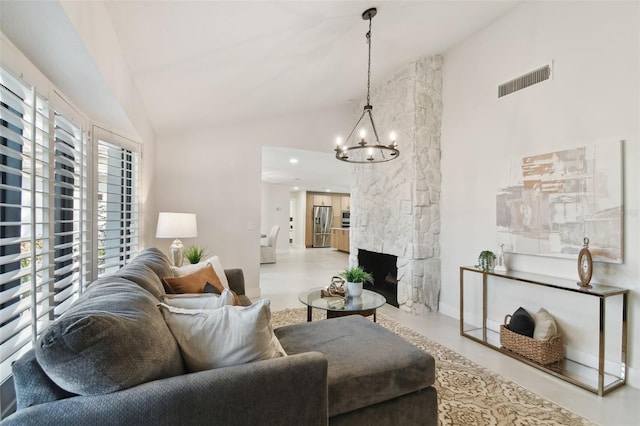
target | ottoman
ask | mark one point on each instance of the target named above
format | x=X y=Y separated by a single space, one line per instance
x=374 y=376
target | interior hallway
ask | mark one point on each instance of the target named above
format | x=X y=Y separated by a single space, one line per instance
x=301 y=269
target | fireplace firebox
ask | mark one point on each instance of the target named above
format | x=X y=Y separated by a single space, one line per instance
x=384 y=269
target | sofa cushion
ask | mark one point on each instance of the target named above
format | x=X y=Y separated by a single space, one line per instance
x=521 y=322
x=144 y=276
x=112 y=338
x=214 y=261
x=223 y=337
x=156 y=260
x=196 y=281
x=32 y=384
x=368 y=364
x=545 y=325
x=199 y=301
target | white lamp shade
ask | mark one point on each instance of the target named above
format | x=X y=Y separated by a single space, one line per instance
x=176 y=225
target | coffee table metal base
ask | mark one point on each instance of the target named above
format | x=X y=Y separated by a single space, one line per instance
x=337 y=314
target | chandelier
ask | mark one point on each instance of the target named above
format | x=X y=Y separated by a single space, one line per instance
x=362 y=151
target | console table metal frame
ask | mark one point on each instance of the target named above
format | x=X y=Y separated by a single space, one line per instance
x=558 y=369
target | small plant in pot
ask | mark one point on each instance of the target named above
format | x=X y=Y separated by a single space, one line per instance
x=355 y=278
x=194 y=253
x=486 y=260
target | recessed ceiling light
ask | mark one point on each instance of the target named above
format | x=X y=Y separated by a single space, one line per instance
x=295 y=188
x=293 y=160
x=328 y=190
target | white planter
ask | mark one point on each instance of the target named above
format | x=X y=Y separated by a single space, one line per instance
x=354 y=289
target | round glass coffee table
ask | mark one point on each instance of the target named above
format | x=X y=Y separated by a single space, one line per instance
x=365 y=304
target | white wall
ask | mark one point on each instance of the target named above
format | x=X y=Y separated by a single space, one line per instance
x=216 y=173
x=93 y=26
x=299 y=218
x=592 y=98
x=275 y=211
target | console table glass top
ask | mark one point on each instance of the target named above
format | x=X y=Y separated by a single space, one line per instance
x=367 y=303
x=555 y=282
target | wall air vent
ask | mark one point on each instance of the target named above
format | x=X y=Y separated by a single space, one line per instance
x=524 y=81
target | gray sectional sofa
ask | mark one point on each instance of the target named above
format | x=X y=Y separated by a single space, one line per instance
x=111 y=360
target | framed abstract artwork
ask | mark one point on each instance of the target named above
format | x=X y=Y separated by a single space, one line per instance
x=547 y=204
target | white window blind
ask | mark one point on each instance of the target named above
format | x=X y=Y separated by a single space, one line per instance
x=25 y=273
x=118 y=215
x=44 y=223
x=71 y=248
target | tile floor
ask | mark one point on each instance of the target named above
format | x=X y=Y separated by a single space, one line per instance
x=300 y=269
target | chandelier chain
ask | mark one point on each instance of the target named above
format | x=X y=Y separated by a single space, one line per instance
x=369 y=63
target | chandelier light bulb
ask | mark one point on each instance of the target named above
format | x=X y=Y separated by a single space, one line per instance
x=370 y=152
x=363 y=133
x=338 y=141
x=392 y=136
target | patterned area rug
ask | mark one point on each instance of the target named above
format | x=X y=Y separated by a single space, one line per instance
x=468 y=394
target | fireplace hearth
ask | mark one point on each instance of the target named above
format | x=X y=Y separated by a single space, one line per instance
x=384 y=269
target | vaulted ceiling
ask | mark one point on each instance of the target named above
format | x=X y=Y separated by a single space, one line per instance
x=219 y=63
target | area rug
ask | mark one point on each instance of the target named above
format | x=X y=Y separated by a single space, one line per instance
x=468 y=394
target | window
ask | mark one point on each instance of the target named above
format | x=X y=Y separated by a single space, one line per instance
x=46 y=216
x=25 y=274
x=118 y=216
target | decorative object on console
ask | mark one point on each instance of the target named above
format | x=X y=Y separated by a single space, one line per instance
x=363 y=152
x=501 y=266
x=486 y=260
x=585 y=265
x=514 y=336
x=176 y=225
x=355 y=278
x=194 y=253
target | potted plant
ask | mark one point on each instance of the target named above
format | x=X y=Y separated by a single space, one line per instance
x=486 y=260
x=194 y=253
x=355 y=278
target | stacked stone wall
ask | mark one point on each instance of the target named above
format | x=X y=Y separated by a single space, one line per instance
x=395 y=206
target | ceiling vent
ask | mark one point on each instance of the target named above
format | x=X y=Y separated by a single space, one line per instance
x=524 y=81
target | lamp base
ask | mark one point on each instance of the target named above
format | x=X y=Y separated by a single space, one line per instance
x=176 y=253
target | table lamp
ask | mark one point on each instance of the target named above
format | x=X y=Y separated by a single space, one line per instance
x=176 y=225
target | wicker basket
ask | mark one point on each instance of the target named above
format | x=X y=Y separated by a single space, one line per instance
x=541 y=351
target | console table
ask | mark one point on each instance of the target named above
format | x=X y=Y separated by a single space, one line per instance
x=596 y=380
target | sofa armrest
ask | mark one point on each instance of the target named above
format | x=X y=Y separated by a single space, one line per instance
x=282 y=391
x=236 y=280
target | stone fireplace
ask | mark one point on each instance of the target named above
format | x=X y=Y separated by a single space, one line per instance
x=395 y=206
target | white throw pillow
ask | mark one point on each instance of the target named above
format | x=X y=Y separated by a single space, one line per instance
x=545 y=325
x=222 y=337
x=213 y=260
x=200 y=300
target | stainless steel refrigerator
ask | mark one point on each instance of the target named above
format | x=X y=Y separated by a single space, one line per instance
x=322 y=217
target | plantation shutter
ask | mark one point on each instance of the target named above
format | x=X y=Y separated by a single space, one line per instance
x=118 y=215
x=70 y=217
x=25 y=273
